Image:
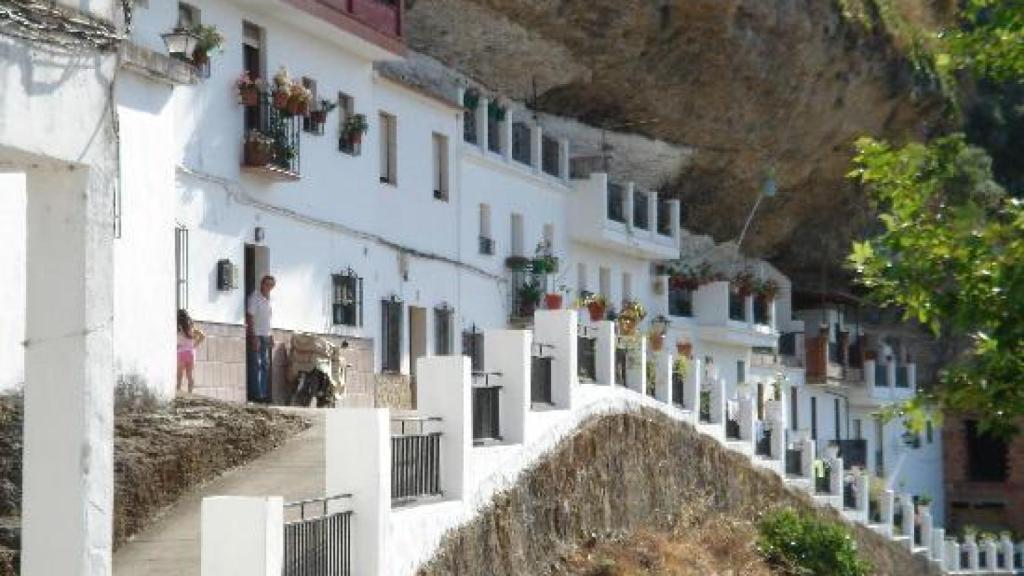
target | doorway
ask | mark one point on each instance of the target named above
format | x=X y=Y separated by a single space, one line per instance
x=256 y=265
x=417 y=336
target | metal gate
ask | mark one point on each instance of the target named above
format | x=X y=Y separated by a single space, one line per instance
x=540 y=380
x=486 y=410
x=415 y=459
x=320 y=545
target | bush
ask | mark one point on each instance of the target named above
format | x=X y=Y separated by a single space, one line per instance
x=132 y=394
x=801 y=544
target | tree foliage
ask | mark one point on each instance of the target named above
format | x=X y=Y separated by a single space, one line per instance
x=800 y=544
x=950 y=254
x=989 y=39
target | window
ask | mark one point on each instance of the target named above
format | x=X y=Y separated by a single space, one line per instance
x=814 y=418
x=181 y=267
x=858 y=432
x=521 y=143
x=835 y=406
x=252 y=62
x=440 y=142
x=604 y=282
x=308 y=123
x=741 y=371
x=581 y=276
x=188 y=16
x=486 y=240
x=794 y=410
x=627 y=286
x=347 y=305
x=388 y=149
x=680 y=300
x=986 y=455
x=391 y=335
x=347 y=109
x=551 y=161
x=443 y=316
x=516 y=234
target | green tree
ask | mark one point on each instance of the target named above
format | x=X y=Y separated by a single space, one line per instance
x=950 y=253
x=989 y=39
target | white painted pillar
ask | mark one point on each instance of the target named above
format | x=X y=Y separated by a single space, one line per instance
x=67 y=459
x=692 y=386
x=888 y=509
x=807 y=455
x=675 y=208
x=663 y=376
x=864 y=496
x=481 y=124
x=444 y=389
x=718 y=401
x=652 y=213
x=869 y=375
x=13 y=236
x=991 y=549
x=627 y=209
x=748 y=309
x=835 y=481
x=938 y=547
x=242 y=535
x=971 y=547
x=890 y=369
x=558 y=329
x=604 y=351
x=773 y=322
x=563 y=159
x=747 y=418
x=536 y=147
x=357 y=452
x=925 y=525
x=507 y=353
x=636 y=368
x=1006 y=545
x=912 y=376
x=907 y=504
x=952 y=556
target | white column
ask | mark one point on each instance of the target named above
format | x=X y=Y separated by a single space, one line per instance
x=888 y=509
x=357 y=455
x=506 y=137
x=558 y=328
x=481 y=124
x=536 y=146
x=748 y=309
x=675 y=208
x=444 y=389
x=907 y=504
x=563 y=159
x=627 y=208
x=1006 y=545
x=864 y=496
x=242 y=535
x=990 y=554
x=971 y=547
x=604 y=351
x=869 y=376
x=67 y=459
x=636 y=367
x=952 y=556
x=718 y=401
x=507 y=353
x=835 y=481
x=652 y=213
x=807 y=455
x=938 y=545
x=925 y=525
x=692 y=387
x=663 y=376
x=747 y=418
x=912 y=376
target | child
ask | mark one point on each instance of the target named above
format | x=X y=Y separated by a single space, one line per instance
x=188 y=338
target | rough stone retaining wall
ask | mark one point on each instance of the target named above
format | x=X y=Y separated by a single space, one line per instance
x=620 y=473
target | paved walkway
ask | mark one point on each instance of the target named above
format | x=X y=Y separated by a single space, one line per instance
x=170 y=546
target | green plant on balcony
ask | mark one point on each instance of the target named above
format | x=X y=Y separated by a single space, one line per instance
x=248 y=89
x=544 y=261
x=767 y=289
x=744 y=282
x=471 y=98
x=319 y=114
x=354 y=128
x=529 y=297
x=209 y=40
x=681 y=365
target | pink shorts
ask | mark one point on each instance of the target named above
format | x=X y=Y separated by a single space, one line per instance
x=187 y=358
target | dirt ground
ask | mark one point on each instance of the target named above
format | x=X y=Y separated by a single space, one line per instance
x=160 y=452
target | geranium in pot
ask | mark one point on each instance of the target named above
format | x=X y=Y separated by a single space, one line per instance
x=553 y=300
x=209 y=41
x=319 y=115
x=355 y=127
x=595 y=304
x=282 y=89
x=259 y=149
x=298 y=99
x=248 y=89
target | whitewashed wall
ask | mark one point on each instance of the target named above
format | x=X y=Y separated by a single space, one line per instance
x=12 y=289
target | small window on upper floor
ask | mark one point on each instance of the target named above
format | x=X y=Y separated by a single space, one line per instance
x=350 y=136
x=440 y=145
x=313 y=122
x=388 y=148
x=188 y=16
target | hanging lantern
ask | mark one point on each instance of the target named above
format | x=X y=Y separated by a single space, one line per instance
x=181 y=43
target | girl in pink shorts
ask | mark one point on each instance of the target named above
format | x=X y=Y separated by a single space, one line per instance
x=188 y=338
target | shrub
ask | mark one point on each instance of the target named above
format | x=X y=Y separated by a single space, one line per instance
x=801 y=544
x=132 y=394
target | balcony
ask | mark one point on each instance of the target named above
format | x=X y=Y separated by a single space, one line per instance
x=887 y=383
x=727 y=317
x=826 y=364
x=620 y=218
x=272 y=142
x=379 y=22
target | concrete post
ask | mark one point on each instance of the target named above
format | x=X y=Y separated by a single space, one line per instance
x=1006 y=545
x=952 y=556
x=807 y=455
x=748 y=309
x=636 y=368
x=864 y=496
x=558 y=328
x=971 y=547
x=67 y=459
x=481 y=124
x=907 y=504
x=563 y=159
x=888 y=510
x=718 y=401
x=242 y=535
x=507 y=353
x=747 y=419
x=536 y=147
x=869 y=375
x=445 y=386
x=357 y=449
x=663 y=376
x=692 y=386
x=604 y=351
x=938 y=552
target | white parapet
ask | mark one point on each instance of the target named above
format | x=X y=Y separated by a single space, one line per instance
x=747 y=420
x=692 y=387
x=663 y=362
x=242 y=535
x=636 y=367
x=938 y=551
x=952 y=562
x=558 y=330
x=907 y=505
x=357 y=450
x=864 y=496
x=604 y=352
x=444 y=387
x=807 y=455
x=887 y=507
x=507 y=356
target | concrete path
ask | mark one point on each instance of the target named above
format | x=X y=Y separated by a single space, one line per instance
x=170 y=546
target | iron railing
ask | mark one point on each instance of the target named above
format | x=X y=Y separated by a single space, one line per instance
x=616 y=203
x=415 y=459
x=586 y=357
x=320 y=545
x=540 y=380
x=550 y=156
x=486 y=409
x=521 y=147
x=641 y=217
x=281 y=133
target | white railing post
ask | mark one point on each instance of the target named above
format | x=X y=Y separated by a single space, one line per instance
x=835 y=480
x=907 y=505
x=971 y=547
x=536 y=147
x=718 y=402
x=604 y=352
x=807 y=456
x=1007 y=547
x=357 y=457
x=926 y=526
x=558 y=329
x=507 y=356
x=747 y=419
x=636 y=367
x=990 y=555
x=938 y=547
x=888 y=509
x=748 y=309
x=692 y=387
x=663 y=376
x=481 y=124
x=242 y=535
x=627 y=207
x=952 y=563
x=444 y=389
x=864 y=497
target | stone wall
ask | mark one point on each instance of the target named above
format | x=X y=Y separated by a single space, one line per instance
x=618 y=474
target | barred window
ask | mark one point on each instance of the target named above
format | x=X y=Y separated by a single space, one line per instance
x=347 y=307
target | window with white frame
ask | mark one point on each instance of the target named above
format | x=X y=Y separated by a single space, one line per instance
x=348 y=143
x=388 y=127
x=443 y=321
x=440 y=145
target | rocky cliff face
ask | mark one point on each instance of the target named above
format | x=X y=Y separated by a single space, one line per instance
x=751 y=85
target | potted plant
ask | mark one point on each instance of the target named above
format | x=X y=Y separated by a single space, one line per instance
x=248 y=89
x=684 y=348
x=259 y=149
x=209 y=40
x=298 y=100
x=767 y=288
x=520 y=263
x=354 y=128
x=659 y=328
x=681 y=365
x=319 y=115
x=553 y=300
x=282 y=89
x=595 y=304
x=529 y=297
x=496 y=111
x=744 y=283
x=632 y=314
x=544 y=262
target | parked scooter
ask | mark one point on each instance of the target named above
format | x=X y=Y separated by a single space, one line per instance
x=317 y=367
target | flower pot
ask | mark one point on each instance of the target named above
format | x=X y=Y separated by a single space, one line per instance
x=627 y=325
x=281 y=100
x=257 y=154
x=355 y=137
x=684 y=349
x=596 y=311
x=318 y=116
x=553 y=301
x=657 y=342
x=297 y=106
x=248 y=96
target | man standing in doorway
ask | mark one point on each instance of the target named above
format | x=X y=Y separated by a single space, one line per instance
x=260 y=340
